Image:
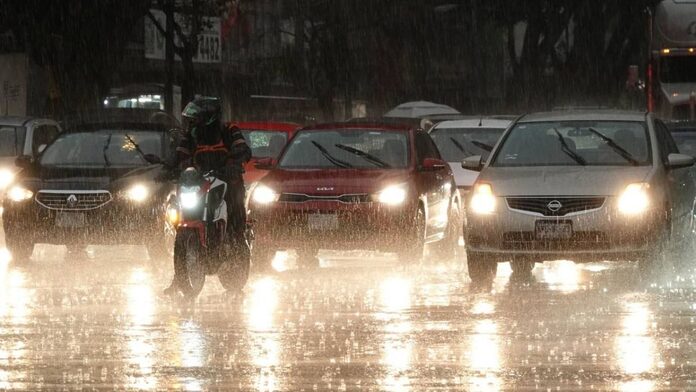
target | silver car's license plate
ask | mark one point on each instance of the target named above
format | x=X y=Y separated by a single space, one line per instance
x=322 y=221
x=554 y=230
x=70 y=220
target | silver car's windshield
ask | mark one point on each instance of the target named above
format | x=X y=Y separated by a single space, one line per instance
x=346 y=149
x=570 y=143
x=455 y=144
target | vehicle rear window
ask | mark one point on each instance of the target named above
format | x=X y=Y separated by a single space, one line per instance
x=265 y=144
x=11 y=140
x=344 y=149
x=594 y=143
x=103 y=148
x=455 y=144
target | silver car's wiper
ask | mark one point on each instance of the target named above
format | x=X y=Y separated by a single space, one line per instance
x=566 y=149
x=368 y=157
x=481 y=145
x=105 y=149
x=330 y=157
x=618 y=149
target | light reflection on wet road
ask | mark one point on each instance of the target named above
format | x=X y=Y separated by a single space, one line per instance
x=354 y=323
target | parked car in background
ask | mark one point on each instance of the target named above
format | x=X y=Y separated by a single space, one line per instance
x=101 y=181
x=583 y=186
x=22 y=136
x=356 y=186
x=266 y=140
x=461 y=139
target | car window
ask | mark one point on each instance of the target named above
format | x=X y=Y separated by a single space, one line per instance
x=425 y=147
x=265 y=144
x=11 y=140
x=666 y=143
x=43 y=135
x=347 y=148
x=686 y=141
x=456 y=144
x=569 y=143
x=112 y=148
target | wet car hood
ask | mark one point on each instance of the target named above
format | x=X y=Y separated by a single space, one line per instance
x=463 y=177
x=333 y=182
x=111 y=179
x=562 y=180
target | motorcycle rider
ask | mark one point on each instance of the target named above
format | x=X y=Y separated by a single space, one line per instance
x=208 y=145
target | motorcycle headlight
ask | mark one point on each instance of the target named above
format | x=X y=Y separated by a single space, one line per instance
x=138 y=193
x=19 y=193
x=392 y=195
x=264 y=195
x=634 y=199
x=7 y=176
x=172 y=215
x=189 y=197
x=483 y=199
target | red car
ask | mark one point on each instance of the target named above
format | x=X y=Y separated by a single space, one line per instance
x=266 y=139
x=356 y=186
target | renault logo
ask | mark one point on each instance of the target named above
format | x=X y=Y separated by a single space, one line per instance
x=554 y=205
x=72 y=201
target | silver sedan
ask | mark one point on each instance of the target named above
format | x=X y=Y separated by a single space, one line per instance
x=584 y=186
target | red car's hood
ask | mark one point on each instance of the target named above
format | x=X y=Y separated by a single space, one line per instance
x=333 y=182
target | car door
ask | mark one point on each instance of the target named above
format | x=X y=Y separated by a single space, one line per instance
x=681 y=186
x=433 y=185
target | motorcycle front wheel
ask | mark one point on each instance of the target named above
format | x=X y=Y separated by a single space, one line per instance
x=188 y=256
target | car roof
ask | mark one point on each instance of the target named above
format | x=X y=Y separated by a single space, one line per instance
x=473 y=123
x=15 y=121
x=120 y=117
x=584 y=115
x=360 y=125
x=266 y=126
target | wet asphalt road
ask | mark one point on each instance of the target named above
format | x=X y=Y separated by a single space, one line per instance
x=356 y=323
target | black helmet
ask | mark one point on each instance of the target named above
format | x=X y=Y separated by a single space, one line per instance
x=201 y=112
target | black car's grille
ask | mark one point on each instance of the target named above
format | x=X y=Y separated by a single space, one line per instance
x=302 y=198
x=561 y=205
x=73 y=201
x=581 y=240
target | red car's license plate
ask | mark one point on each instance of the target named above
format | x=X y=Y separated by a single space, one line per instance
x=554 y=230
x=322 y=221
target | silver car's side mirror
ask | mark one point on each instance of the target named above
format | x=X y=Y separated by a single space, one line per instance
x=474 y=163
x=677 y=161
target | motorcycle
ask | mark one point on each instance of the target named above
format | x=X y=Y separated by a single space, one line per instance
x=202 y=246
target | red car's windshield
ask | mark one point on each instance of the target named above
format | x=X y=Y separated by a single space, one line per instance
x=345 y=149
x=265 y=144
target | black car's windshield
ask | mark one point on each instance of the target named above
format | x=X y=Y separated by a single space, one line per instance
x=113 y=148
x=593 y=143
x=265 y=144
x=354 y=148
x=11 y=140
x=686 y=141
x=455 y=144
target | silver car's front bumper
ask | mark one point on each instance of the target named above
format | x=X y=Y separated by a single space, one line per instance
x=598 y=234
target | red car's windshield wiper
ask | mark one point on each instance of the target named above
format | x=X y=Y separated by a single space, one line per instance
x=368 y=157
x=330 y=157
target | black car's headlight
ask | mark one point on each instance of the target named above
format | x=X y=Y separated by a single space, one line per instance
x=137 y=193
x=19 y=193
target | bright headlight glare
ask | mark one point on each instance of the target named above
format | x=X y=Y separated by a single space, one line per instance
x=6 y=178
x=264 y=195
x=392 y=195
x=189 y=200
x=138 y=193
x=172 y=215
x=634 y=199
x=483 y=199
x=19 y=193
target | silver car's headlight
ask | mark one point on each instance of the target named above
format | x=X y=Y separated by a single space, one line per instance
x=7 y=176
x=392 y=195
x=19 y=193
x=634 y=199
x=138 y=193
x=189 y=198
x=483 y=199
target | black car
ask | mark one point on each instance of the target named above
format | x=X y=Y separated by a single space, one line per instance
x=102 y=181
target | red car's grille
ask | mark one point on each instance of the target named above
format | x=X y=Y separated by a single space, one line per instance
x=302 y=198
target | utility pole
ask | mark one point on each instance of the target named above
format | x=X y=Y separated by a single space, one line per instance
x=169 y=57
